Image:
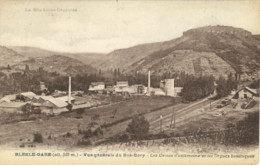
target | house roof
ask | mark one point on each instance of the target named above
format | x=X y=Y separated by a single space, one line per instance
x=65 y=98
x=36 y=97
x=12 y=104
x=28 y=94
x=128 y=89
x=251 y=90
x=47 y=97
x=8 y=98
x=122 y=83
x=97 y=83
x=59 y=103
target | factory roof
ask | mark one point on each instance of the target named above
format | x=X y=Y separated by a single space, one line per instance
x=12 y=104
x=47 y=97
x=28 y=94
x=8 y=98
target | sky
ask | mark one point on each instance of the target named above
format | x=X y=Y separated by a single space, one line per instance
x=103 y=26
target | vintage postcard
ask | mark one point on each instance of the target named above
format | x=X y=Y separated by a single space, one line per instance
x=129 y=82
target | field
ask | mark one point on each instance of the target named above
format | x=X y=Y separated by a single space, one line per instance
x=67 y=131
x=71 y=122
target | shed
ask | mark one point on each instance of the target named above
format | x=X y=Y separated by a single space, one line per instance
x=247 y=92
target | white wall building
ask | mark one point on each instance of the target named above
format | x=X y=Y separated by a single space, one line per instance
x=96 y=86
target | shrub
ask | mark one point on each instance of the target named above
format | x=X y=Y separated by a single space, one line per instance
x=69 y=107
x=80 y=111
x=138 y=128
x=85 y=142
x=37 y=138
x=124 y=137
x=88 y=133
x=68 y=134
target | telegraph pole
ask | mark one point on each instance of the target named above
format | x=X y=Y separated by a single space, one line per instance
x=161 y=123
x=173 y=119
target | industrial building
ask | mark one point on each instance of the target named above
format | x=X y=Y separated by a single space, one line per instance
x=96 y=86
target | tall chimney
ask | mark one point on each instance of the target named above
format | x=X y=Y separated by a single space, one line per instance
x=149 y=82
x=69 y=94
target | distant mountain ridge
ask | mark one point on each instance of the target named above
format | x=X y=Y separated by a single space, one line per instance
x=216 y=50
x=36 y=58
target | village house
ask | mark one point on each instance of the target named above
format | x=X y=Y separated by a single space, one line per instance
x=96 y=86
x=54 y=106
x=35 y=99
x=110 y=90
x=139 y=89
x=122 y=84
x=247 y=92
x=26 y=96
x=42 y=86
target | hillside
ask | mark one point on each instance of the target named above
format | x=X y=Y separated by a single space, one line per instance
x=33 y=52
x=216 y=50
x=9 y=57
x=57 y=63
x=67 y=64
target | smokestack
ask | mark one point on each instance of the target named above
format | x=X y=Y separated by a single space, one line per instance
x=69 y=94
x=149 y=82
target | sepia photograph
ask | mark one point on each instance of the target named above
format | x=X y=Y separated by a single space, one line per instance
x=129 y=82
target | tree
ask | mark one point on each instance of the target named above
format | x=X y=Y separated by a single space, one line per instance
x=196 y=88
x=69 y=107
x=37 y=137
x=27 y=68
x=138 y=128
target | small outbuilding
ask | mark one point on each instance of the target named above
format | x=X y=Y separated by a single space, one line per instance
x=247 y=92
x=96 y=86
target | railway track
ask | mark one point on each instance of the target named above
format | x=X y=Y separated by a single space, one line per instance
x=155 y=125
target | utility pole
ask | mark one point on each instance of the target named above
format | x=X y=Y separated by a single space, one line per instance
x=161 y=123
x=173 y=115
x=173 y=119
x=149 y=83
x=69 y=91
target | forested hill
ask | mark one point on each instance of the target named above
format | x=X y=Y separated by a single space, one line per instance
x=45 y=59
x=216 y=50
x=209 y=50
